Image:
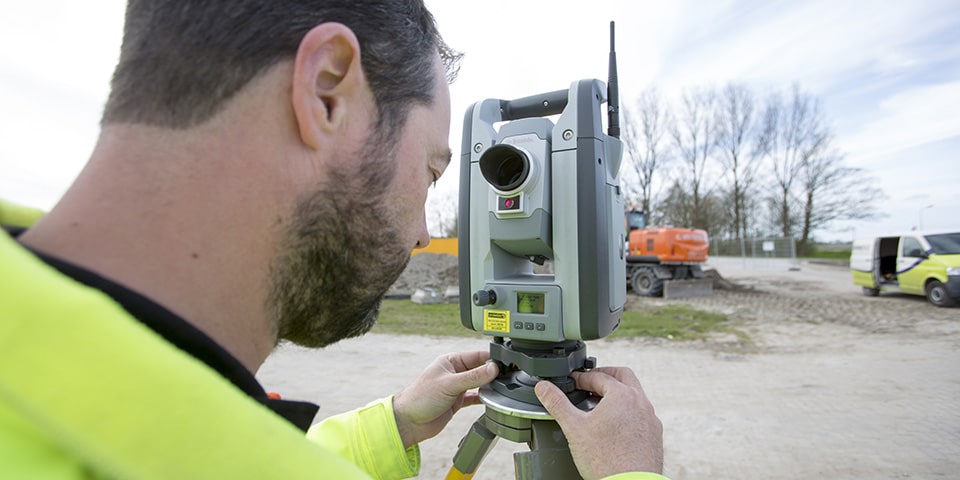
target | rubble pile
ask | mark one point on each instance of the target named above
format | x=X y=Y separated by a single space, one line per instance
x=435 y=271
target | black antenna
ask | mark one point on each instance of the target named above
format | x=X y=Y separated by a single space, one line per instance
x=613 y=92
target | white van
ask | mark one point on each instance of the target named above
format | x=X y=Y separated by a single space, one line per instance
x=916 y=263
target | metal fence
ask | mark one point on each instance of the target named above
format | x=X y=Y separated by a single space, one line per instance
x=768 y=247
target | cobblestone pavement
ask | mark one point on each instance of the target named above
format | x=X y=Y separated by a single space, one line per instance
x=833 y=385
x=821 y=294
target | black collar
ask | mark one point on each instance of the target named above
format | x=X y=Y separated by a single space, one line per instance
x=184 y=336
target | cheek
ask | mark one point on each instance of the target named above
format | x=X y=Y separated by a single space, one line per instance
x=408 y=190
x=406 y=204
x=410 y=186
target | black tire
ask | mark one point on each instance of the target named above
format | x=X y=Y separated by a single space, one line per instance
x=871 y=292
x=937 y=294
x=645 y=283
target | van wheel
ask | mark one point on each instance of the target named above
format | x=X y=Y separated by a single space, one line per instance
x=937 y=294
x=645 y=283
x=871 y=292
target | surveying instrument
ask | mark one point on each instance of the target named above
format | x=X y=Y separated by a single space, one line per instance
x=533 y=191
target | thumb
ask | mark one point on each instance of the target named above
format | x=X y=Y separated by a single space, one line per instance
x=475 y=377
x=554 y=400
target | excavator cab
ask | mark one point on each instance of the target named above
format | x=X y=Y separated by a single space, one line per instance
x=636 y=220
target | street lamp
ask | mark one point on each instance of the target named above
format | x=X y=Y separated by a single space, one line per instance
x=920 y=217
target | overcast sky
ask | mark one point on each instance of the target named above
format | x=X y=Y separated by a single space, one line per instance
x=888 y=74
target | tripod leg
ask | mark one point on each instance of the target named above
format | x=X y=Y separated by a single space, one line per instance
x=549 y=455
x=473 y=447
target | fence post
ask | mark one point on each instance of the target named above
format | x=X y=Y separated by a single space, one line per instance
x=793 y=254
x=743 y=251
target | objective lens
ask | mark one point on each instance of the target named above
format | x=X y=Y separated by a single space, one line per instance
x=510 y=171
x=505 y=167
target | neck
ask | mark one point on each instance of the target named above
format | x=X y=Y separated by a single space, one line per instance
x=156 y=212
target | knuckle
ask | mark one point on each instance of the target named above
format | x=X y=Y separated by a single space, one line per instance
x=549 y=399
x=554 y=405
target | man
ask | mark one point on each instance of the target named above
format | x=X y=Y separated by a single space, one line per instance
x=260 y=175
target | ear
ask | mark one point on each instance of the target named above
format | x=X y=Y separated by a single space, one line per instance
x=327 y=74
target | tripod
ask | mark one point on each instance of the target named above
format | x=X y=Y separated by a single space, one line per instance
x=514 y=413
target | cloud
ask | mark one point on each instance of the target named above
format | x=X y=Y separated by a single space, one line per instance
x=920 y=115
x=816 y=43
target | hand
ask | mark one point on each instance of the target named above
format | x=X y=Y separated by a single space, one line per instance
x=622 y=434
x=424 y=408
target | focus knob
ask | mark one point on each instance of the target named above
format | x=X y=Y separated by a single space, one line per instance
x=484 y=297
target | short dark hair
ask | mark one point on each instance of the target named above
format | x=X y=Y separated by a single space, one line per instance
x=182 y=60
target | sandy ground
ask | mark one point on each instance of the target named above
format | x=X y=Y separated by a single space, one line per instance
x=833 y=385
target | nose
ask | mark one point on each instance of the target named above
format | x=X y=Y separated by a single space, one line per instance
x=424 y=238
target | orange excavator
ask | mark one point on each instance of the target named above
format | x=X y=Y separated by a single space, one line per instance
x=665 y=261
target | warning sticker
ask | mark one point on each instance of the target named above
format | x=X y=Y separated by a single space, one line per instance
x=496 y=321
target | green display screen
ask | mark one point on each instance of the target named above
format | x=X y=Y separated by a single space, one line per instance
x=530 y=303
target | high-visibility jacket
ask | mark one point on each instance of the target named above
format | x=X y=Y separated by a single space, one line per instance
x=86 y=391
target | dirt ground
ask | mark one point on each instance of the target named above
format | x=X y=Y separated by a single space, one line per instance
x=832 y=385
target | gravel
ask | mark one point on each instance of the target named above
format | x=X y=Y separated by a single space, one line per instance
x=834 y=384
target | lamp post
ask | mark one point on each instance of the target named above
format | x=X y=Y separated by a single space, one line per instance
x=920 y=217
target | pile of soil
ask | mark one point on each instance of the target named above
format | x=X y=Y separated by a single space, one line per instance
x=721 y=283
x=434 y=270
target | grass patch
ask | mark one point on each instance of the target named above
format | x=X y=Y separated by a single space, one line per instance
x=674 y=322
x=829 y=251
x=831 y=254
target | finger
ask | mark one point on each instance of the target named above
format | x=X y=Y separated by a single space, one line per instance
x=470 y=398
x=595 y=382
x=461 y=382
x=601 y=383
x=464 y=361
x=554 y=400
x=623 y=374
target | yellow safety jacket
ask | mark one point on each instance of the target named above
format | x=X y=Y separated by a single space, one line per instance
x=86 y=391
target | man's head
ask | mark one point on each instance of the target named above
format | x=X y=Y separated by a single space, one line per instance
x=182 y=60
x=350 y=222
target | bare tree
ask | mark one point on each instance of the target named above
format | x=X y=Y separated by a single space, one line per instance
x=643 y=140
x=792 y=133
x=692 y=135
x=735 y=132
x=676 y=208
x=833 y=192
x=787 y=143
x=442 y=214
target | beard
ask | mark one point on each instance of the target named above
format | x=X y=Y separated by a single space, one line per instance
x=342 y=254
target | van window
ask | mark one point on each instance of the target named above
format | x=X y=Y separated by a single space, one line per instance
x=911 y=247
x=945 y=244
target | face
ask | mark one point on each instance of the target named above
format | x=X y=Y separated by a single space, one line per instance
x=348 y=244
x=423 y=155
